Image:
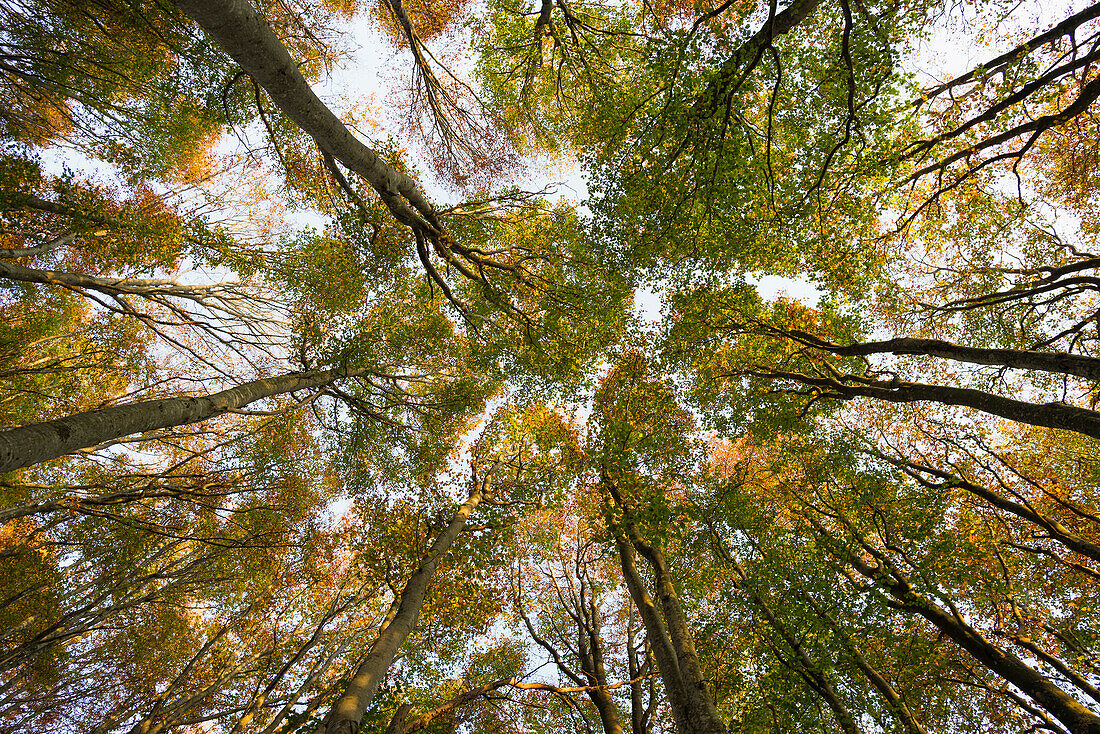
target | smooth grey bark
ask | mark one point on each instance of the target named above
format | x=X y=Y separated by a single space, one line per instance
x=27 y=445
x=697 y=712
x=1048 y=415
x=112 y=286
x=659 y=640
x=345 y=715
x=704 y=711
x=399 y=724
x=592 y=665
x=245 y=35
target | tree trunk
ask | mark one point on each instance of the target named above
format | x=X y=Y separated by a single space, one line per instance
x=112 y=286
x=27 y=445
x=705 y=714
x=245 y=36
x=671 y=640
x=601 y=697
x=345 y=715
x=1058 y=362
x=1048 y=415
x=1077 y=718
x=658 y=637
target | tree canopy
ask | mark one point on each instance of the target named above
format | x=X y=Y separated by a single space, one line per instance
x=322 y=410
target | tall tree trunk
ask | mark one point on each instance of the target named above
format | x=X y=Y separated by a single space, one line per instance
x=27 y=445
x=1057 y=362
x=683 y=642
x=658 y=637
x=668 y=632
x=1076 y=717
x=345 y=715
x=245 y=36
x=1048 y=415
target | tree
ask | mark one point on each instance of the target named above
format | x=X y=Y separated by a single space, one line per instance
x=42 y=441
x=640 y=446
x=398 y=624
x=424 y=466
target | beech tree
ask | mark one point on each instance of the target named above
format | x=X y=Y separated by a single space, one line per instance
x=464 y=454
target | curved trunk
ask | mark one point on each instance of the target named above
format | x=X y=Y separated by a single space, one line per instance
x=27 y=445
